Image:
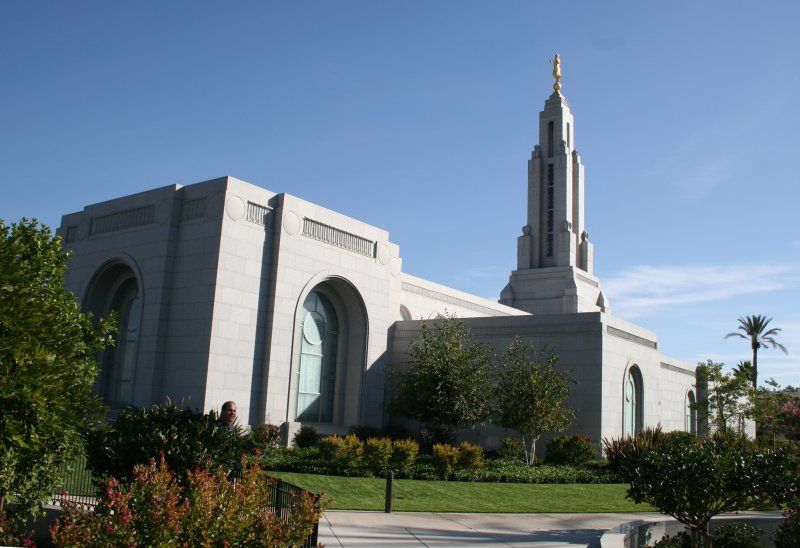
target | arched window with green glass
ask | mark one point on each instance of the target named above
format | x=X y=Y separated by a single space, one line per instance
x=319 y=334
x=632 y=402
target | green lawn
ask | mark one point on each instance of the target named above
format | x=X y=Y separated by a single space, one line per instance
x=452 y=496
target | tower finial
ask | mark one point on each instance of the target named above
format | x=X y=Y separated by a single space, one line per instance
x=556 y=62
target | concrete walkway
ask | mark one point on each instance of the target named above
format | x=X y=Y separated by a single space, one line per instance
x=343 y=528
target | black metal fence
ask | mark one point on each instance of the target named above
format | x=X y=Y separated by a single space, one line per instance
x=80 y=487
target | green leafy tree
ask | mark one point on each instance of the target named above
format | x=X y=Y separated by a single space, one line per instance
x=772 y=406
x=755 y=329
x=530 y=394
x=447 y=380
x=728 y=403
x=47 y=365
x=694 y=482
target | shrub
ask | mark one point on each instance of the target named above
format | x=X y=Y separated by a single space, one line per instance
x=723 y=473
x=622 y=452
x=680 y=540
x=187 y=439
x=210 y=511
x=512 y=448
x=404 y=453
x=395 y=432
x=470 y=456
x=444 y=459
x=342 y=454
x=436 y=434
x=518 y=471
x=737 y=535
x=377 y=453
x=306 y=436
x=787 y=534
x=574 y=450
x=365 y=432
x=263 y=437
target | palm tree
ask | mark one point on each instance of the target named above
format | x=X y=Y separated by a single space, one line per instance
x=754 y=329
x=744 y=370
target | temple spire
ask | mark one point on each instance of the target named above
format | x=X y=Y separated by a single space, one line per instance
x=556 y=62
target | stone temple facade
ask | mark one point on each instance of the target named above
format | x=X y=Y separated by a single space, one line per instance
x=228 y=291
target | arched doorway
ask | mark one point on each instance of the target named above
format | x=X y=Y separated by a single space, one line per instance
x=330 y=355
x=632 y=401
x=115 y=288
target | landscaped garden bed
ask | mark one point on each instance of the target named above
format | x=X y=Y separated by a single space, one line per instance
x=351 y=493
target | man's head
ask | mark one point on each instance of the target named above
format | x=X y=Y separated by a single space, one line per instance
x=228 y=413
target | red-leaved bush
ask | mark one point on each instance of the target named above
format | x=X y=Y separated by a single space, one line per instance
x=155 y=510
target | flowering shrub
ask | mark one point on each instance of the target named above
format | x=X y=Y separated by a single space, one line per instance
x=263 y=437
x=155 y=510
x=574 y=450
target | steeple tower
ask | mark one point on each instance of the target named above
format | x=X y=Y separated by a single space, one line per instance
x=554 y=256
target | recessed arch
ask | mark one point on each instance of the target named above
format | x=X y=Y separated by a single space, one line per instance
x=632 y=401
x=690 y=412
x=329 y=353
x=404 y=314
x=117 y=287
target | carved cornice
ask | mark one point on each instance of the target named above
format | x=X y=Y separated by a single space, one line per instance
x=449 y=299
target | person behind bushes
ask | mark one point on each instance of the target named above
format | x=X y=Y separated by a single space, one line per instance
x=227 y=415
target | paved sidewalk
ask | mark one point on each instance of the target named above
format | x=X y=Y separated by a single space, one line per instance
x=342 y=528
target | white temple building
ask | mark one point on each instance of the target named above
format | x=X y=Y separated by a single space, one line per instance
x=229 y=291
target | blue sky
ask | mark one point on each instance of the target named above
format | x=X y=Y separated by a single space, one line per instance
x=419 y=117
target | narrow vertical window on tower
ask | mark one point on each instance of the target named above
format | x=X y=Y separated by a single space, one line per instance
x=568 y=136
x=550 y=209
x=550 y=137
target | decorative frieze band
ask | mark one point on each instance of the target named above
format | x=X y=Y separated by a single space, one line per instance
x=121 y=220
x=337 y=237
x=449 y=299
x=677 y=369
x=619 y=333
x=72 y=234
x=194 y=209
x=259 y=214
x=519 y=330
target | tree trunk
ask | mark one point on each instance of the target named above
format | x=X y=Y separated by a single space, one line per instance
x=755 y=364
x=532 y=452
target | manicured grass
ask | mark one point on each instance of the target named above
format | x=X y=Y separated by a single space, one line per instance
x=453 y=496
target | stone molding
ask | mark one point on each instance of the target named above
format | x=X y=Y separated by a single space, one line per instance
x=449 y=299
x=130 y=218
x=259 y=214
x=677 y=369
x=194 y=209
x=620 y=334
x=338 y=237
x=521 y=330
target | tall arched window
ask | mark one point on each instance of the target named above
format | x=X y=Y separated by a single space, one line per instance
x=690 y=413
x=404 y=314
x=116 y=289
x=632 y=402
x=120 y=364
x=319 y=330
